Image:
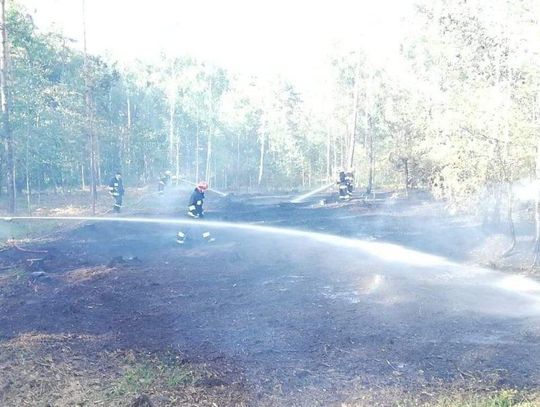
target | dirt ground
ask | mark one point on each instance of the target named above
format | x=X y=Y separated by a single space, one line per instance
x=119 y=314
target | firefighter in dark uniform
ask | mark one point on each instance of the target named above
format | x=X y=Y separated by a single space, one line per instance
x=349 y=179
x=342 y=185
x=163 y=181
x=195 y=210
x=345 y=184
x=116 y=189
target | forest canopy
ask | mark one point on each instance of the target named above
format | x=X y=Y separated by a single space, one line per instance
x=460 y=117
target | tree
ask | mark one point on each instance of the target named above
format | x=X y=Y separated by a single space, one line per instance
x=89 y=118
x=5 y=102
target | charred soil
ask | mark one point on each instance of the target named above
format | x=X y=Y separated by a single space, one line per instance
x=116 y=314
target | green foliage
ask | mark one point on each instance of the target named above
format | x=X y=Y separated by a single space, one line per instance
x=459 y=116
x=504 y=398
x=142 y=377
x=136 y=379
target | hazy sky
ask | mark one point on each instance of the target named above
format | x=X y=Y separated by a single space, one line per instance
x=276 y=36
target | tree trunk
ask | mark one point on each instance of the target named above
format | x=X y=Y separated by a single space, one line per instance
x=303 y=174
x=406 y=175
x=334 y=156
x=261 y=159
x=371 y=157
x=121 y=150
x=352 y=139
x=5 y=102
x=172 y=102
x=39 y=184
x=89 y=125
x=368 y=141
x=510 y=219
x=98 y=160
x=211 y=126
x=537 y=211
x=237 y=181
x=197 y=152
x=83 y=184
x=177 y=163
x=27 y=171
x=328 y=145
x=496 y=219
x=145 y=161
x=127 y=152
x=343 y=151
x=208 y=155
x=237 y=174
x=215 y=169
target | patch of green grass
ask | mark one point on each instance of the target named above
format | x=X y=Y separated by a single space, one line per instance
x=180 y=376
x=155 y=374
x=504 y=398
x=136 y=379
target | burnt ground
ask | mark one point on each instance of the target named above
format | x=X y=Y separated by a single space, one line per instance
x=259 y=318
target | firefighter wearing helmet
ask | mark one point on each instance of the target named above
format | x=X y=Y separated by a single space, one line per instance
x=345 y=183
x=195 y=210
x=116 y=190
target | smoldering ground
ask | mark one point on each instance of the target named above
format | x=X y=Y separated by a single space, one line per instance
x=289 y=312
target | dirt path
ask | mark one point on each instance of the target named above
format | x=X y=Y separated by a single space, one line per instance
x=268 y=319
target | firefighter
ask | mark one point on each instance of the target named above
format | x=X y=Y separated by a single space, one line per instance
x=116 y=189
x=342 y=185
x=163 y=181
x=345 y=183
x=195 y=210
x=349 y=179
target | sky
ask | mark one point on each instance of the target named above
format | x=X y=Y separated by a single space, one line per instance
x=286 y=37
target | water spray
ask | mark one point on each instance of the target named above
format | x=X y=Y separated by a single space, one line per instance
x=209 y=189
x=440 y=269
x=385 y=251
x=316 y=191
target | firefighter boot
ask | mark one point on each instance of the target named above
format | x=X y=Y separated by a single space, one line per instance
x=181 y=238
x=208 y=237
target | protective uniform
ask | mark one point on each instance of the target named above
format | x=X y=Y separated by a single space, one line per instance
x=342 y=185
x=349 y=179
x=195 y=210
x=163 y=181
x=116 y=189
